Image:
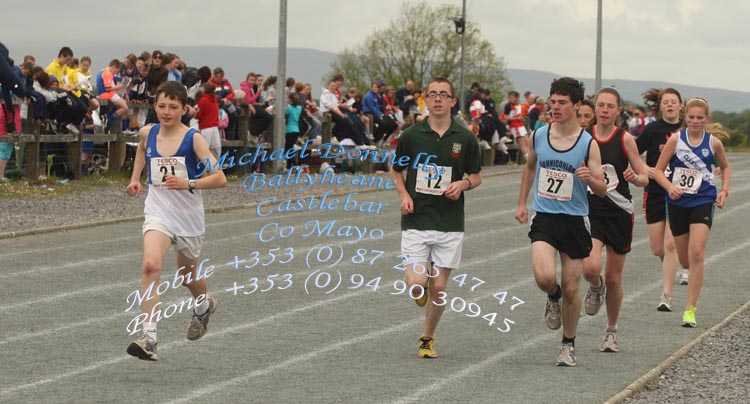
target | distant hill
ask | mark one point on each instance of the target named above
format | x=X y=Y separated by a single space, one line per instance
x=721 y=100
x=310 y=65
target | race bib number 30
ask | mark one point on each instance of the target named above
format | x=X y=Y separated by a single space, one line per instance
x=161 y=166
x=556 y=185
x=688 y=180
x=433 y=179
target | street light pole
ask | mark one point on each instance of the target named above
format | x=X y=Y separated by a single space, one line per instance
x=463 y=47
x=279 y=104
x=598 y=81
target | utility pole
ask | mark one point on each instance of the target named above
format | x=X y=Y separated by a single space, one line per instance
x=279 y=123
x=598 y=80
x=463 y=47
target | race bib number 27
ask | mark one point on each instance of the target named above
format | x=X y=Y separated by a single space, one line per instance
x=161 y=166
x=556 y=185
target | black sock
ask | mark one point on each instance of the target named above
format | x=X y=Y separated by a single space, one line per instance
x=571 y=341
x=557 y=295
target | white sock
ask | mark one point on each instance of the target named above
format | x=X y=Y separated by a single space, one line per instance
x=202 y=308
x=611 y=328
x=150 y=330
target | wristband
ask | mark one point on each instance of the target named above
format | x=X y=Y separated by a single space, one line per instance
x=726 y=191
x=469 y=181
x=635 y=180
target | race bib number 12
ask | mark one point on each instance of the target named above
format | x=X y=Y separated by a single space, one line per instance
x=556 y=185
x=161 y=166
x=433 y=179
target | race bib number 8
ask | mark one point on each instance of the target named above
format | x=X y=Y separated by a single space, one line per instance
x=556 y=185
x=610 y=177
x=161 y=166
x=433 y=179
x=688 y=180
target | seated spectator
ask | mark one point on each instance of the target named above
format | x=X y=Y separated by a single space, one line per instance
x=80 y=86
x=259 y=83
x=138 y=94
x=128 y=71
x=105 y=83
x=414 y=107
x=289 y=88
x=268 y=91
x=59 y=112
x=374 y=105
x=329 y=103
x=250 y=88
x=536 y=111
x=311 y=110
x=259 y=120
x=354 y=98
x=171 y=62
x=391 y=108
x=225 y=97
x=59 y=67
x=403 y=93
x=207 y=114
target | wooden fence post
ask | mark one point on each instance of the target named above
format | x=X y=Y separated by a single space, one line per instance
x=116 y=148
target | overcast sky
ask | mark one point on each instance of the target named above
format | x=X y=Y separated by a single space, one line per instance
x=696 y=42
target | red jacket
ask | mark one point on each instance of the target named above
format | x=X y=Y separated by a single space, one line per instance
x=223 y=88
x=208 y=112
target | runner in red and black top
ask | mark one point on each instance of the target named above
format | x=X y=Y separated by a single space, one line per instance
x=611 y=216
x=668 y=104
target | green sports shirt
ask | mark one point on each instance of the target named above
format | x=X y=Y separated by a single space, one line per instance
x=433 y=163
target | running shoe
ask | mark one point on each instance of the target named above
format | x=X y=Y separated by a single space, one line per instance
x=595 y=297
x=609 y=343
x=567 y=355
x=688 y=318
x=423 y=300
x=427 y=348
x=666 y=303
x=144 y=348
x=684 y=276
x=552 y=315
x=199 y=324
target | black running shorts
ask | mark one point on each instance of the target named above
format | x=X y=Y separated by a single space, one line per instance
x=655 y=206
x=614 y=230
x=681 y=218
x=568 y=234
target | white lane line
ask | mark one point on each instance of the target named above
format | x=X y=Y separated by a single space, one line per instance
x=295 y=360
x=104 y=287
x=283 y=215
x=20 y=337
x=422 y=393
x=122 y=358
x=109 y=286
x=312 y=354
x=177 y=343
x=209 y=241
x=230 y=330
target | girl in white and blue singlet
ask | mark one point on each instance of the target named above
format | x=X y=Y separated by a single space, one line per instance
x=692 y=192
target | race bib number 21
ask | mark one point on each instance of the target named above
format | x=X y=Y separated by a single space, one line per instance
x=161 y=166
